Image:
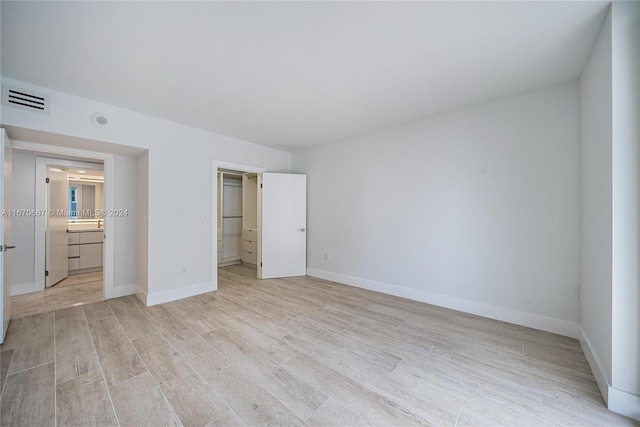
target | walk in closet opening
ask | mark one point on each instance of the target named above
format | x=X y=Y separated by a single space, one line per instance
x=238 y=233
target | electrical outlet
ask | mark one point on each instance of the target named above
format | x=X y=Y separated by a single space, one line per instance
x=204 y=216
x=183 y=269
x=326 y=256
x=579 y=293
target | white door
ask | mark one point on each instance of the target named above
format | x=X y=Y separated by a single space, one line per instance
x=5 y=232
x=57 y=253
x=283 y=225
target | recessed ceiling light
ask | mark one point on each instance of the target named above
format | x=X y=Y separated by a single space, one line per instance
x=100 y=120
x=82 y=171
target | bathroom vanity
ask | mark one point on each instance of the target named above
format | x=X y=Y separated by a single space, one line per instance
x=85 y=250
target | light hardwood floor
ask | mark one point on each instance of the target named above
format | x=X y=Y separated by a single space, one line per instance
x=296 y=351
x=75 y=290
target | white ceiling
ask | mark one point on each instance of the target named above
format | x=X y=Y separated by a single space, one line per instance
x=296 y=74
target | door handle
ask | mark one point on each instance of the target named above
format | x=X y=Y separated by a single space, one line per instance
x=4 y=248
x=302 y=229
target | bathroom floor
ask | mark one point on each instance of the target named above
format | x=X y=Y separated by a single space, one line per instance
x=74 y=290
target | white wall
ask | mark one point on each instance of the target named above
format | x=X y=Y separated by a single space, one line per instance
x=477 y=209
x=180 y=164
x=23 y=228
x=126 y=233
x=596 y=184
x=625 y=34
x=610 y=175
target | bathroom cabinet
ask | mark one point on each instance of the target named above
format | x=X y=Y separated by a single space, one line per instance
x=85 y=249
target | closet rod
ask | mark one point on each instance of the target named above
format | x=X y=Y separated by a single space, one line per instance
x=233 y=216
x=233 y=175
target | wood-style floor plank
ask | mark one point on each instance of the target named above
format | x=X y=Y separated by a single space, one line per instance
x=84 y=400
x=75 y=354
x=12 y=335
x=191 y=398
x=302 y=398
x=139 y=402
x=254 y=318
x=424 y=404
x=117 y=356
x=97 y=311
x=573 y=378
x=370 y=406
x=541 y=384
x=331 y=414
x=299 y=317
x=399 y=344
x=204 y=358
x=569 y=414
x=28 y=398
x=199 y=323
x=570 y=359
x=462 y=338
x=5 y=360
x=371 y=354
x=277 y=350
x=434 y=371
x=228 y=419
x=252 y=403
x=132 y=321
x=35 y=342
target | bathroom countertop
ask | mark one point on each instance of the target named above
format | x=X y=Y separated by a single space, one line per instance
x=84 y=230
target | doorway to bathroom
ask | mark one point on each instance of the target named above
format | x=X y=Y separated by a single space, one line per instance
x=69 y=235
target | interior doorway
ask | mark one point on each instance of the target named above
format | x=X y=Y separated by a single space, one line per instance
x=99 y=171
x=74 y=226
x=73 y=219
x=235 y=210
x=237 y=219
x=270 y=224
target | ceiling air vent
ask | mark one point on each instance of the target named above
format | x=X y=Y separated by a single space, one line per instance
x=25 y=99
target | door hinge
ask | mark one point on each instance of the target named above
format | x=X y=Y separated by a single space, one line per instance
x=46 y=273
x=260 y=185
x=260 y=264
x=47 y=180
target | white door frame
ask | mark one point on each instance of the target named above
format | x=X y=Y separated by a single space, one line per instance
x=219 y=164
x=108 y=161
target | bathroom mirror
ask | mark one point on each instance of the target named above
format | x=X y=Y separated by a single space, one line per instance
x=86 y=195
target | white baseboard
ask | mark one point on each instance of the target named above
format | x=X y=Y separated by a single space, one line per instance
x=624 y=403
x=594 y=364
x=179 y=293
x=23 y=288
x=616 y=400
x=122 y=290
x=531 y=320
x=141 y=294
